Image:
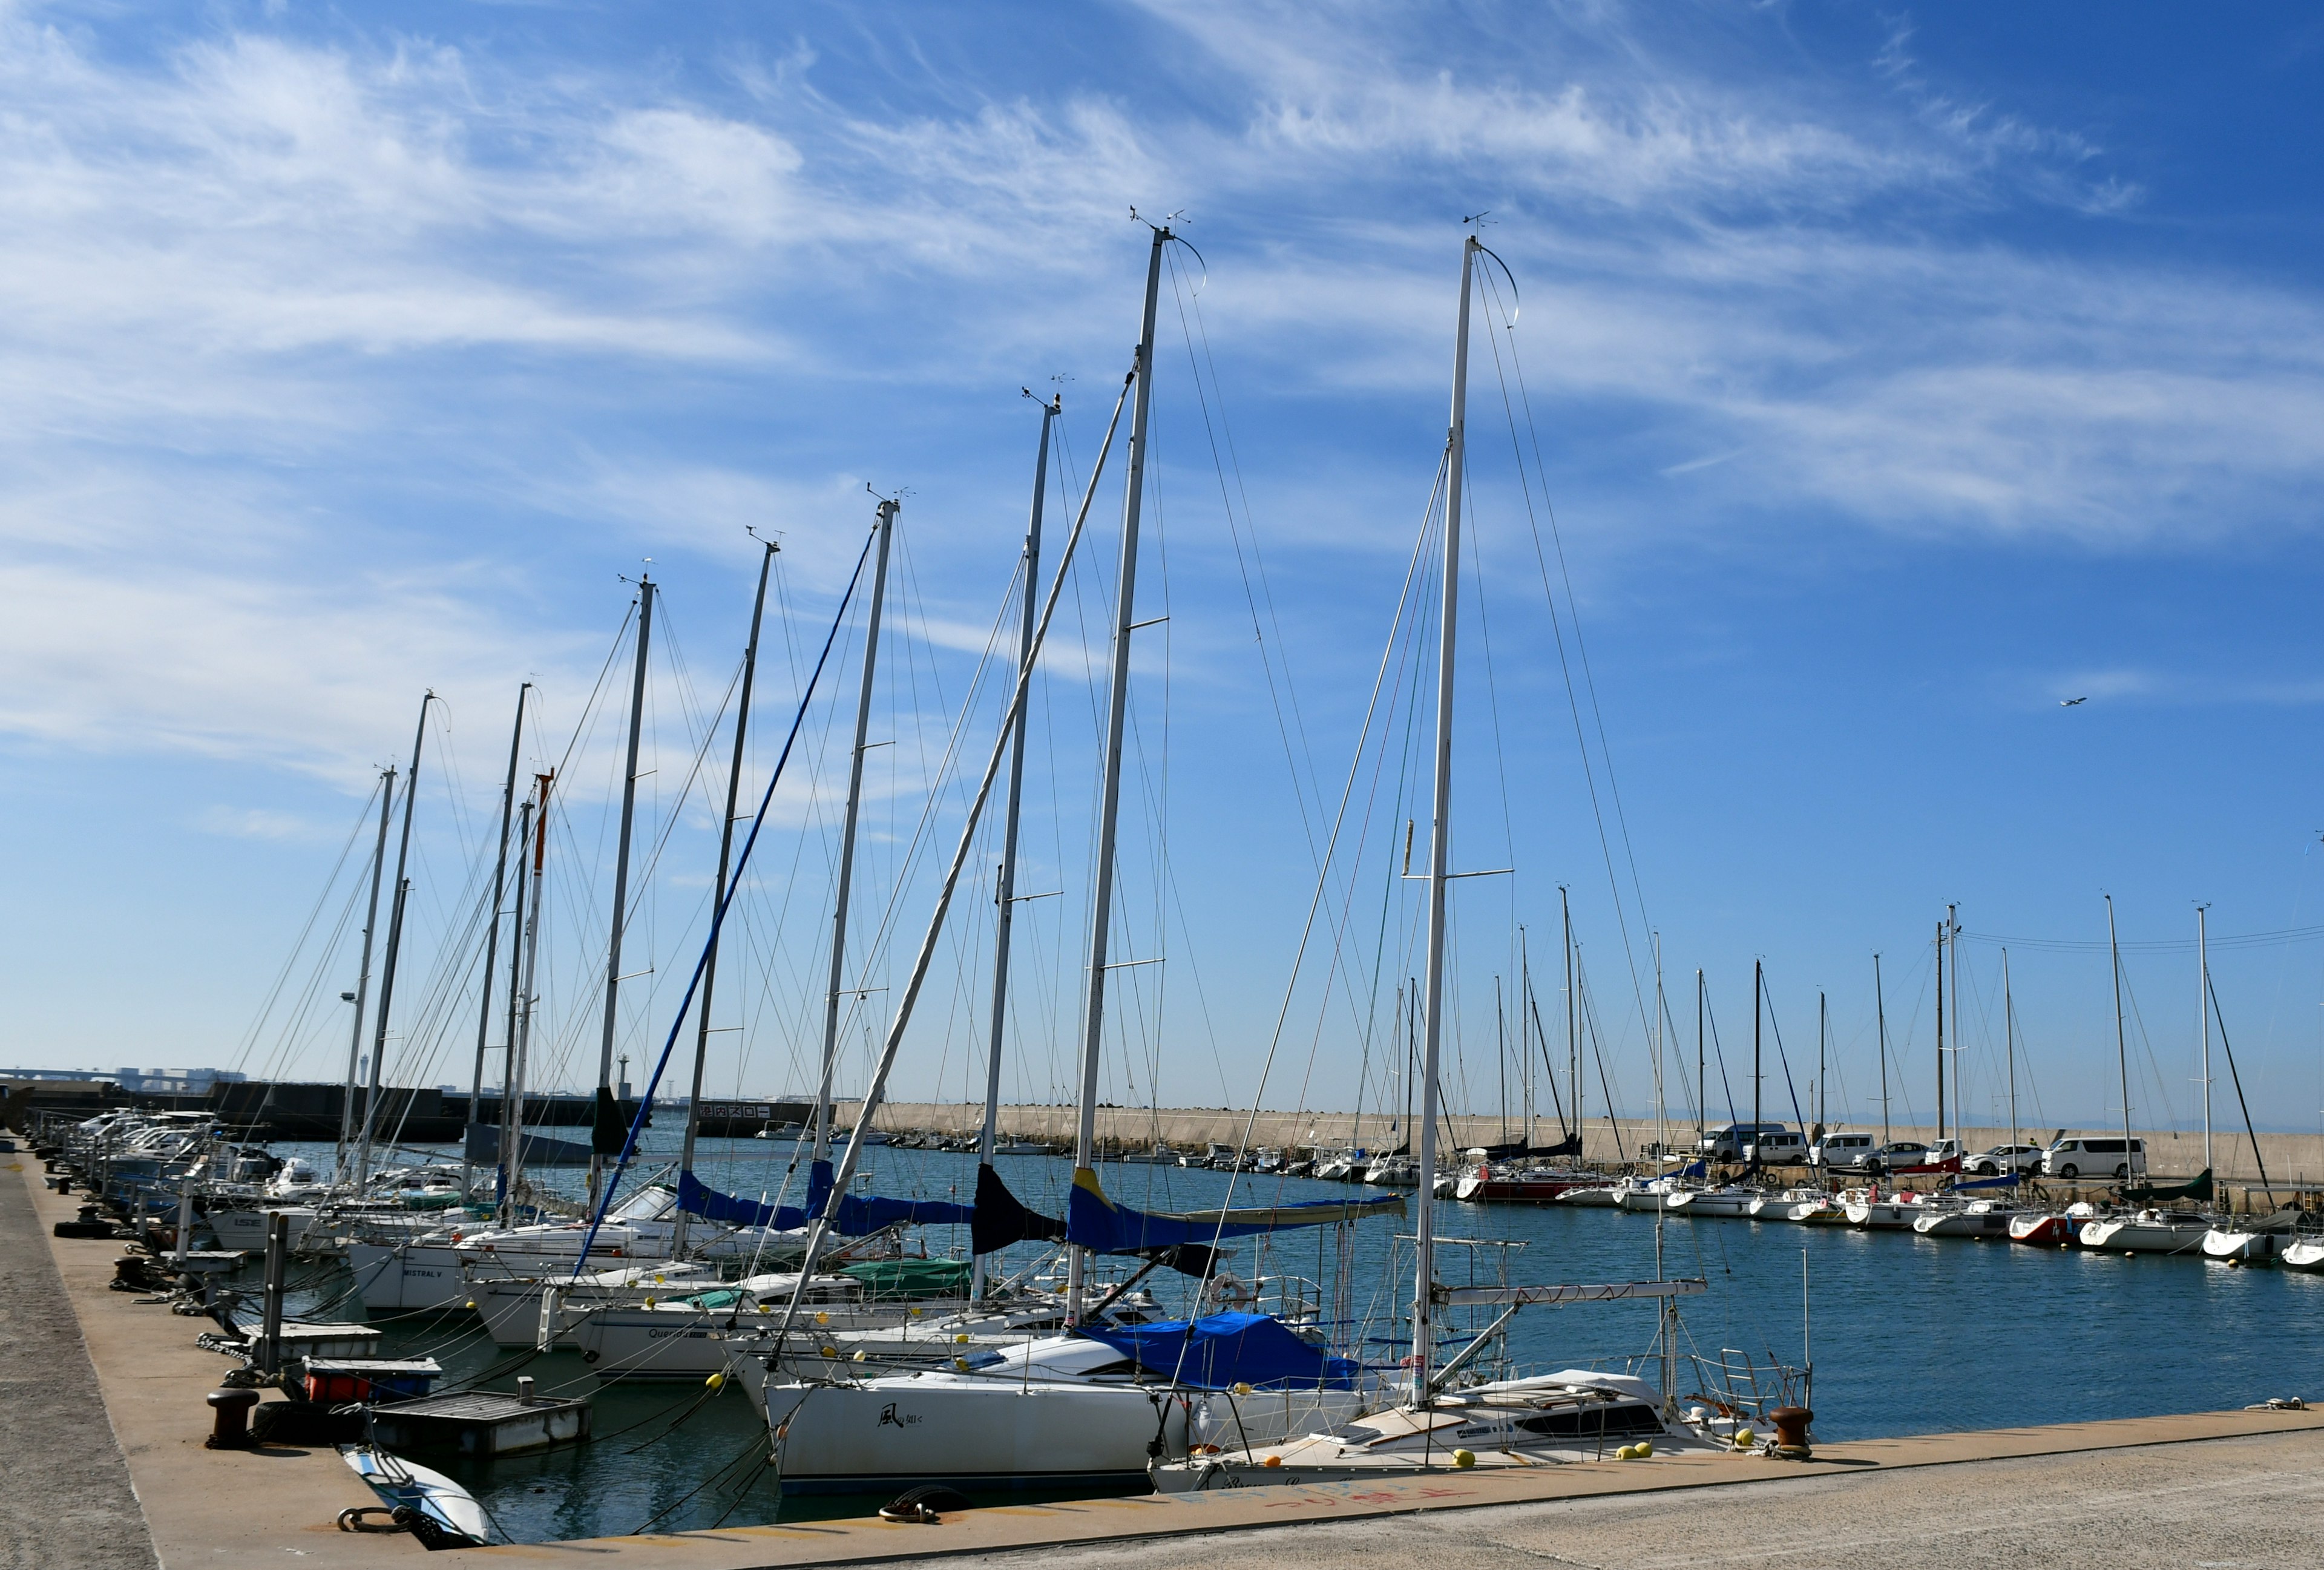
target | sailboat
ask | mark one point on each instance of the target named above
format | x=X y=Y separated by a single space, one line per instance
x=2252 y=1241
x=1083 y=1406
x=1520 y=1422
x=2149 y=1229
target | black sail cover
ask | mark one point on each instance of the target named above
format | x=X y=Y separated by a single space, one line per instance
x=1000 y=1219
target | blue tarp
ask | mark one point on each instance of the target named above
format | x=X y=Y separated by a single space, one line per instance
x=857 y=1213
x=1096 y=1223
x=1221 y=1349
x=2007 y=1180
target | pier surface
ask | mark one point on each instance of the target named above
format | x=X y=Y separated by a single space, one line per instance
x=2219 y=1487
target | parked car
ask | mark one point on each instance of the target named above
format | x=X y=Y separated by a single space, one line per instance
x=1729 y=1143
x=1841 y=1152
x=1777 y=1147
x=2003 y=1158
x=2097 y=1157
x=1944 y=1151
x=1897 y=1154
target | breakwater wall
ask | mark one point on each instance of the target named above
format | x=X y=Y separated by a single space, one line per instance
x=2293 y=1160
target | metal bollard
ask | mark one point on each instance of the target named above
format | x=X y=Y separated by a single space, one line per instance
x=230 y=1429
x=1790 y=1428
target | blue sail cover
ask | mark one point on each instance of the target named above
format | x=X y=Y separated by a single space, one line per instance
x=2007 y=1180
x=1095 y=1223
x=1220 y=1350
x=858 y=1214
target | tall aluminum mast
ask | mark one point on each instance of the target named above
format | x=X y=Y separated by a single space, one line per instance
x=884 y=527
x=1005 y=894
x=395 y=950
x=1117 y=710
x=491 y=953
x=521 y=1006
x=363 y=980
x=718 y=886
x=600 y=1136
x=1440 y=841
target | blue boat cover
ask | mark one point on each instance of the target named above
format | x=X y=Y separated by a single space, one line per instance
x=858 y=1214
x=1221 y=1349
x=2007 y=1180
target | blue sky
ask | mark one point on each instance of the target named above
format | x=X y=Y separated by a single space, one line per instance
x=1895 y=374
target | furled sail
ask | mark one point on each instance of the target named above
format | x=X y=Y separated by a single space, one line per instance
x=1095 y=1223
x=858 y=1214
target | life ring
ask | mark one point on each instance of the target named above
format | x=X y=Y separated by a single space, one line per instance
x=1230 y=1293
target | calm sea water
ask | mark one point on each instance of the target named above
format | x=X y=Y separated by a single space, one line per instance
x=1908 y=1334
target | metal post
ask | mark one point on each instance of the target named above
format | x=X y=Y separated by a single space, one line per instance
x=1005 y=894
x=718 y=885
x=2009 y=1039
x=883 y=528
x=1440 y=845
x=1759 y=993
x=621 y=881
x=1940 y=1030
x=395 y=950
x=522 y=999
x=278 y=1250
x=2121 y=1046
x=1117 y=712
x=362 y=981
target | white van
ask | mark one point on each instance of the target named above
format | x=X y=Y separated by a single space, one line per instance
x=1729 y=1143
x=1777 y=1147
x=1841 y=1152
x=2095 y=1157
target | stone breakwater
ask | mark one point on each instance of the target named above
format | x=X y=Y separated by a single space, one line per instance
x=2293 y=1160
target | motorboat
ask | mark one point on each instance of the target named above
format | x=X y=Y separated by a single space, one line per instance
x=1393 y=1172
x=1576 y=1415
x=2306 y=1253
x=1802 y=1204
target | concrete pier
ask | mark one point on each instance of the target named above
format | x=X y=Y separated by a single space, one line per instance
x=76 y=1490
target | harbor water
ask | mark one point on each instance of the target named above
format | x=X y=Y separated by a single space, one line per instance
x=1907 y=1334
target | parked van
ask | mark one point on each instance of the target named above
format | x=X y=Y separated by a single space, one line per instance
x=1777 y=1147
x=1842 y=1152
x=2093 y=1157
x=1728 y=1145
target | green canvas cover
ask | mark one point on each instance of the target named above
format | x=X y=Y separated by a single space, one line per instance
x=890 y=1281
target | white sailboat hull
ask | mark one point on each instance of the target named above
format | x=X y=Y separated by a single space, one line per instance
x=2142 y=1237
x=414 y=1279
x=938 y=1428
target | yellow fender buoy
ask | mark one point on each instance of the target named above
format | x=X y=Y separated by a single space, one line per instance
x=1277 y=1460
x=1462 y=1458
x=716 y=1381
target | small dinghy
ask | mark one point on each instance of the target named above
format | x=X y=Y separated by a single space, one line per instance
x=427 y=1504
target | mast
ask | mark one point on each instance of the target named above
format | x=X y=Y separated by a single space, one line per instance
x=884 y=529
x=1440 y=842
x=1823 y=1036
x=718 y=885
x=2009 y=1042
x=2121 y=1044
x=522 y=1002
x=1005 y=891
x=394 y=947
x=1880 y=1012
x=1758 y=1008
x=1501 y=1054
x=1940 y=1030
x=1573 y=1028
x=599 y=1135
x=1952 y=941
x=2202 y=1007
x=1702 y=1080
x=1117 y=714
x=1667 y=1308
x=1525 y=1035
x=363 y=980
x=492 y=951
